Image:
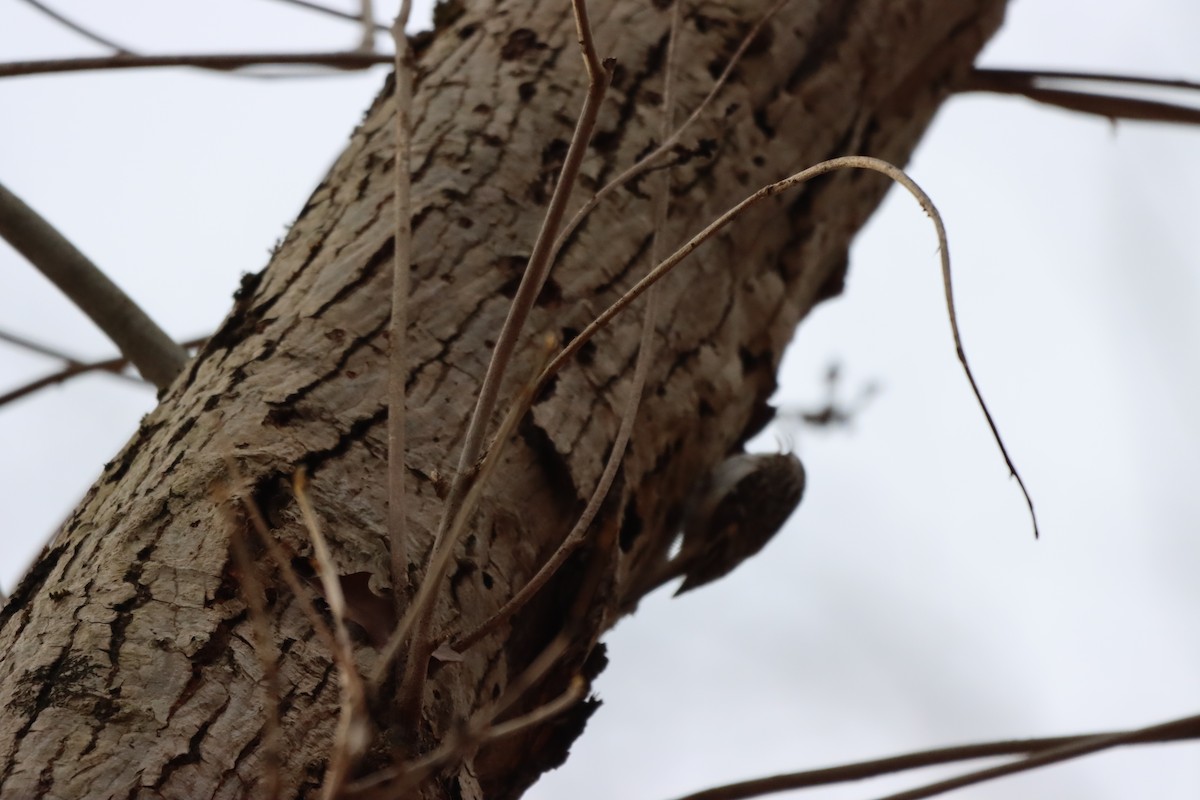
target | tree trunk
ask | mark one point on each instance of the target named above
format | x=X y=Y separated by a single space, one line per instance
x=129 y=666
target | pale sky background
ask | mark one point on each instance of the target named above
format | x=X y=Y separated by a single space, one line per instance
x=907 y=605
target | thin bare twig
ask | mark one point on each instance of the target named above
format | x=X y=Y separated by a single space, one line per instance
x=41 y=349
x=616 y=456
x=1087 y=77
x=1085 y=746
x=845 y=162
x=111 y=365
x=67 y=359
x=573 y=694
x=1031 y=84
x=342 y=60
x=333 y=12
x=440 y=561
x=282 y=558
x=395 y=781
x=79 y=29
x=398 y=332
x=457 y=744
x=353 y=730
x=264 y=648
x=599 y=74
x=528 y=678
x=540 y=262
x=152 y=351
x=1188 y=728
x=64 y=374
x=648 y=161
x=366 y=19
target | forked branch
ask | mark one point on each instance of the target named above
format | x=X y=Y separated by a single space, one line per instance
x=1177 y=730
x=1040 y=85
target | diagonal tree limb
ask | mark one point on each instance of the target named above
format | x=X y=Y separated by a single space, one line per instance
x=152 y=351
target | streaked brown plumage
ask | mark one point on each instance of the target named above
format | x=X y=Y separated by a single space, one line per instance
x=734 y=513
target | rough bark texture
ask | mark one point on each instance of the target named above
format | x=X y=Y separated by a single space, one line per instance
x=128 y=667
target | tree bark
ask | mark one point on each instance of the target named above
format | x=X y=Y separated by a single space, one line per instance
x=129 y=668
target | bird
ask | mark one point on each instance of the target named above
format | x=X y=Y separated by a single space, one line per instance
x=733 y=513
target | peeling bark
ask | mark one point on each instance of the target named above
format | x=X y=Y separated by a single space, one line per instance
x=128 y=667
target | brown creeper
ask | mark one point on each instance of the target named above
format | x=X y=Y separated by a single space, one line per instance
x=734 y=513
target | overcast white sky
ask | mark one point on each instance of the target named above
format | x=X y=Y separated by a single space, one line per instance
x=907 y=605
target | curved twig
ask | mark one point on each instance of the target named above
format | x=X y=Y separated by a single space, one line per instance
x=575 y=538
x=845 y=162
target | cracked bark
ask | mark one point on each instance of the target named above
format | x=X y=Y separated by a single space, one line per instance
x=128 y=669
